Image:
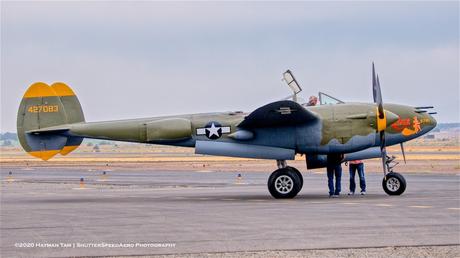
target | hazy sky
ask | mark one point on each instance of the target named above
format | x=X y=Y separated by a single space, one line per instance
x=141 y=59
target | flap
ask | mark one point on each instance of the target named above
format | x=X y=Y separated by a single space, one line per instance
x=279 y=113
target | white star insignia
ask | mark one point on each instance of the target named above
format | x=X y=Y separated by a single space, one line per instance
x=213 y=130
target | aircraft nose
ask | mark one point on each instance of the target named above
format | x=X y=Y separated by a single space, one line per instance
x=433 y=121
x=426 y=118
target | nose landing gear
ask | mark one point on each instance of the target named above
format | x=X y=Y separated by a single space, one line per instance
x=393 y=183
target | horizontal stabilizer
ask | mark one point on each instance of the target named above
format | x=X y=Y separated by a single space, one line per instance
x=280 y=113
x=53 y=129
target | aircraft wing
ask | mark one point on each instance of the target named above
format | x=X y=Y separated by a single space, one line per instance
x=279 y=113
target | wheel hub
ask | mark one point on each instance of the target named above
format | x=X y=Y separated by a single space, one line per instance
x=284 y=184
x=393 y=184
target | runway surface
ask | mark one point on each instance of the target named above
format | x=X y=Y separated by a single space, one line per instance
x=140 y=213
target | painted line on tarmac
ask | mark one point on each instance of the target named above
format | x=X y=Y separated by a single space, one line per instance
x=456 y=209
x=384 y=205
x=350 y=203
x=420 y=207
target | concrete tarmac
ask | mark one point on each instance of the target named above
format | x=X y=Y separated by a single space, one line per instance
x=46 y=213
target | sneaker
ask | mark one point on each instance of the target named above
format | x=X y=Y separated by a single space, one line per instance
x=363 y=192
x=335 y=196
x=351 y=193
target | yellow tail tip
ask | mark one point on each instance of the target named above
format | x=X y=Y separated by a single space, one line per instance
x=39 y=89
x=44 y=155
x=68 y=149
x=62 y=89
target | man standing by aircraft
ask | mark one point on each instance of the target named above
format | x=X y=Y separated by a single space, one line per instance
x=357 y=165
x=334 y=169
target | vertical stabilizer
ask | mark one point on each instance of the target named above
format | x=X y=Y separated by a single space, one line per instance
x=45 y=106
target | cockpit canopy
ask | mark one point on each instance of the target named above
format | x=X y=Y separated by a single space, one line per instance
x=325 y=99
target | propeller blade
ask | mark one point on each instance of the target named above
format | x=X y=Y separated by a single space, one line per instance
x=377 y=94
x=379 y=98
x=374 y=84
x=383 y=150
x=403 y=153
x=381 y=121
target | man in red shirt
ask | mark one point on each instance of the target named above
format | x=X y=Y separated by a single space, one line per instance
x=357 y=165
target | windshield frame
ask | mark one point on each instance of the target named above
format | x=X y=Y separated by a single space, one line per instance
x=322 y=96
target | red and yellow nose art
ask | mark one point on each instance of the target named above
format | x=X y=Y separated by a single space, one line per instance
x=404 y=126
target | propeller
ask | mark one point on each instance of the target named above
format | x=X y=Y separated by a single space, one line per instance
x=381 y=117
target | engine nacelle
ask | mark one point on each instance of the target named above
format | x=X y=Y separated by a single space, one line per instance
x=320 y=161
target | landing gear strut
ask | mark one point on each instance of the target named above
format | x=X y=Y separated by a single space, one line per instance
x=285 y=182
x=393 y=183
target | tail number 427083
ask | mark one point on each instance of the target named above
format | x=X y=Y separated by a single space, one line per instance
x=43 y=109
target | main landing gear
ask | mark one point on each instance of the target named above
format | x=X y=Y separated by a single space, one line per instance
x=285 y=182
x=393 y=183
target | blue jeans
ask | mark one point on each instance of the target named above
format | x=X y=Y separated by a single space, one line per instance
x=362 y=180
x=334 y=170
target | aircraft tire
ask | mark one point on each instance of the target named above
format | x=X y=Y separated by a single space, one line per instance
x=284 y=183
x=298 y=174
x=394 y=184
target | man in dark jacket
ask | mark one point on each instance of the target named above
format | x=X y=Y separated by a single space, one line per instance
x=334 y=168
